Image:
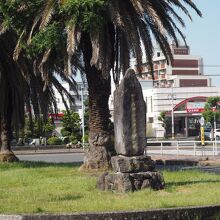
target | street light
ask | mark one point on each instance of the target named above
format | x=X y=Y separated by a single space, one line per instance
x=172 y=97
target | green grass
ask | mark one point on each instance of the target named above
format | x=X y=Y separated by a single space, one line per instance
x=58 y=188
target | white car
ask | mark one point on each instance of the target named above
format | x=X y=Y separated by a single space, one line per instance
x=217 y=134
x=35 y=142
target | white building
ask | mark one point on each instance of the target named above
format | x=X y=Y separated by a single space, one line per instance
x=181 y=86
x=188 y=103
x=60 y=104
x=80 y=96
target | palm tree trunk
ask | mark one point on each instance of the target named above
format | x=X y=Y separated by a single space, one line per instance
x=5 y=140
x=100 y=138
x=6 y=155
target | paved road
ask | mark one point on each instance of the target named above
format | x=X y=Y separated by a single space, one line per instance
x=78 y=157
x=54 y=158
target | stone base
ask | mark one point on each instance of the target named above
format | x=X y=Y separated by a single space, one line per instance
x=125 y=182
x=133 y=164
x=8 y=157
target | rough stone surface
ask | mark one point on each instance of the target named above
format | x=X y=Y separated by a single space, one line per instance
x=119 y=182
x=148 y=179
x=157 y=181
x=101 y=181
x=129 y=117
x=132 y=164
x=146 y=184
x=8 y=157
x=125 y=182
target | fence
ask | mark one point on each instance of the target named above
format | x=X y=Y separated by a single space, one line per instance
x=175 y=147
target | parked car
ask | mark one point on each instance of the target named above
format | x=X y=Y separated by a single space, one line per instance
x=217 y=134
x=208 y=133
x=35 y=142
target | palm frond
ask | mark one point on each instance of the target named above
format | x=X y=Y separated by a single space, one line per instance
x=36 y=20
x=47 y=13
x=18 y=46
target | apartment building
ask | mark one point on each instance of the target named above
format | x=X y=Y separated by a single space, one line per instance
x=179 y=89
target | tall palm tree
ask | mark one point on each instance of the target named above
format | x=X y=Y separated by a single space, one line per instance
x=12 y=87
x=104 y=35
x=21 y=84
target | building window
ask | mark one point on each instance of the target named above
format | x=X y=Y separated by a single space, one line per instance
x=158 y=54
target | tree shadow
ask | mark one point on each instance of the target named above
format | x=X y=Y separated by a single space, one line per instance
x=67 y=197
x=184 y=183
x=40 y=164
x=170 y=168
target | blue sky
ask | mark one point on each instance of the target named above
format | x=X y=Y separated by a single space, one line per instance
x=203 y=36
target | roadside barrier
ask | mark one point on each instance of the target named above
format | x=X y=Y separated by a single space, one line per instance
x=177 y=147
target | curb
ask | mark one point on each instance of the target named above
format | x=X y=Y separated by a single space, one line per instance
x=182 y=213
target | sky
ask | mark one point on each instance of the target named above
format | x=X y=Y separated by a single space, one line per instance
x=203 y=36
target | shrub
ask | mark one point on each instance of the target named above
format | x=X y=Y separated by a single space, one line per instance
x=73 y=139
x=65 y=133
x=54 y=141
x=66 y=140
x=86 y=138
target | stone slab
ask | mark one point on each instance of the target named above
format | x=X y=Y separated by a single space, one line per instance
x=119 y=182
x=125 y=182
x=125 y=164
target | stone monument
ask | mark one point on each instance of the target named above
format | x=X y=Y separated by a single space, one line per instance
x=132 y=169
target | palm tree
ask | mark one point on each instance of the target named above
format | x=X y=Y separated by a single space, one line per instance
x=21 y=84
x=12 y=87
x=104 y=35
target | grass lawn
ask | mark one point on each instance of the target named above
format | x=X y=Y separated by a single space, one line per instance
x=51 y=188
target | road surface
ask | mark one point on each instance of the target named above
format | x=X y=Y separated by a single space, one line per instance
x=54 y=158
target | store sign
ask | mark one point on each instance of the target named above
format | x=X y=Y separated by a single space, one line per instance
x=179 y=51
x=56 y=116
x=195 y=106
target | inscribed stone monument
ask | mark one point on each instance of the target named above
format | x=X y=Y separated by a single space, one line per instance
x=132 y=169
x=129 y=117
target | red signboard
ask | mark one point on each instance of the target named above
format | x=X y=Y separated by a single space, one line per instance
x=195 y=107
x=56 y=116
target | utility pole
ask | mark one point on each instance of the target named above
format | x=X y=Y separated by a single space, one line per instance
x=172 y=97
x=173 y=132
